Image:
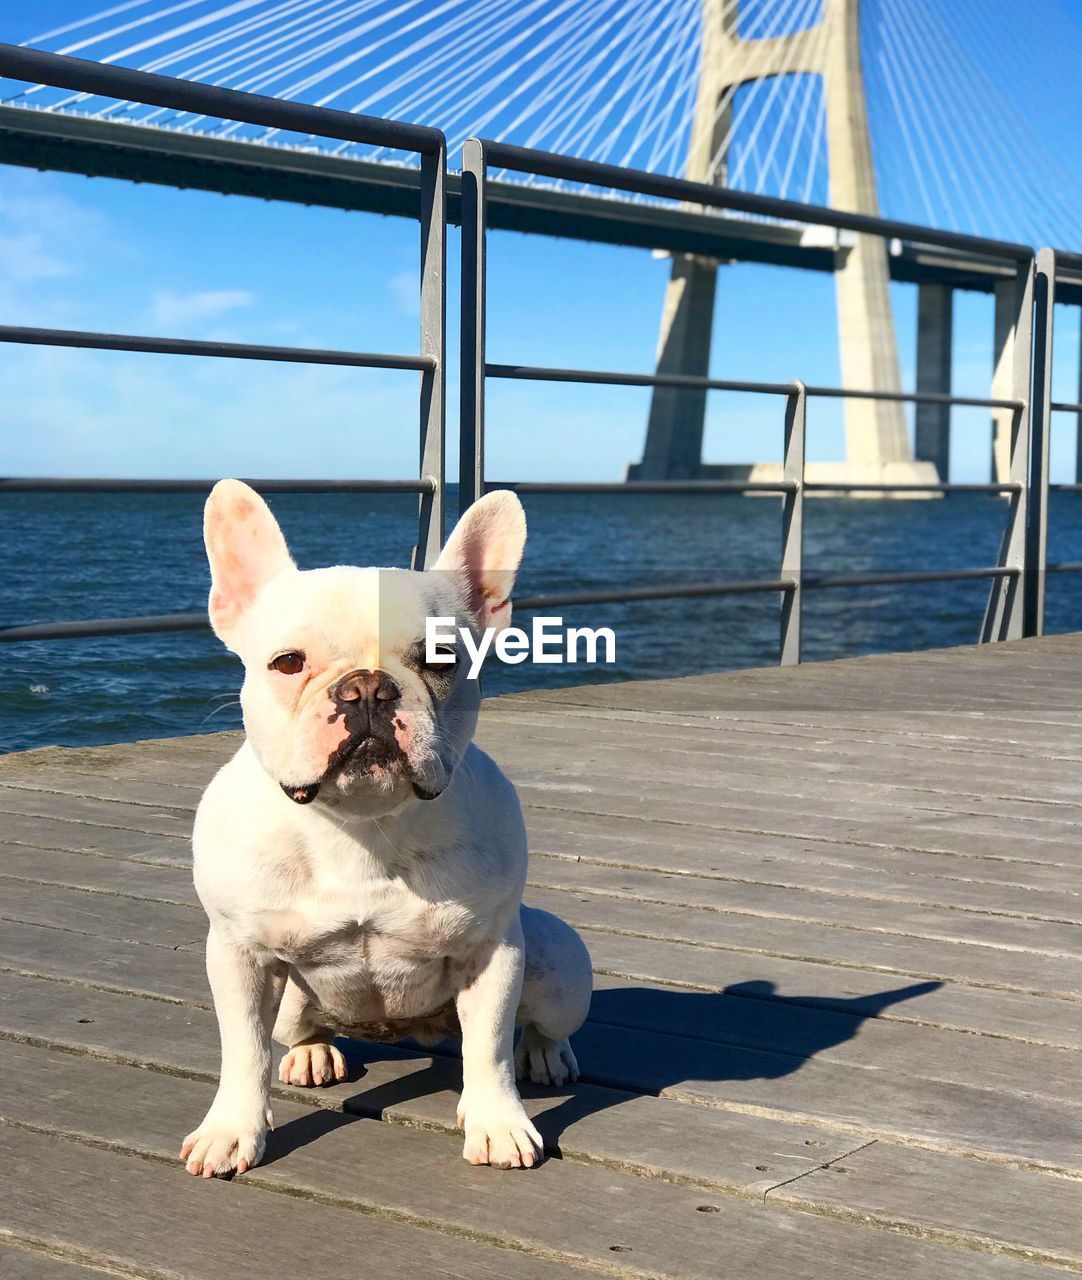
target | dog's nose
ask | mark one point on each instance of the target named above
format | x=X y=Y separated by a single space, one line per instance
x=365 y=686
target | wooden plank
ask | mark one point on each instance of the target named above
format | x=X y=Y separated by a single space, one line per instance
x=698 y=850
x=30 y=1263
x=942 y=1197
x=793 y=789
x=161 y=924
x=113 y=965
x=756 y=757
x=980 y=966
x=652 y=1137
x=408 y=1172
x=991 y=880
x=852 y=910
x=50 y=833
x=135 y=762
x=932 y=833
x=928 y=1110
x=951 y=1116
x=897 y=724
x=753 y=1017
x=74 y=1191
x=96 y=786
x=724 y=702
x=96 y=872
x=767 y=750
x=1015 y=1015
x=890 y=744
x=108 y=1208
x=982 y=1010
x=794 y=783
x=849 y=909
x=98 y=813
x=1011 y=888
x=661 y=1228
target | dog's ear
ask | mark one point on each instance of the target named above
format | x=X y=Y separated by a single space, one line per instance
x=246 y=550
x=485 y=550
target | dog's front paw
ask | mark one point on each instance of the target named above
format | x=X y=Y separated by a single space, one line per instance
x=499 y=1133
x=313 y=1064
x=221 y=1145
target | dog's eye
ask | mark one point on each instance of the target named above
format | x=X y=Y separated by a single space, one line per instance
x=445 y=658
x=288 y=664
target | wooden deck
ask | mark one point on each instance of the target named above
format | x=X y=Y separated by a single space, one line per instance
x=834 y=916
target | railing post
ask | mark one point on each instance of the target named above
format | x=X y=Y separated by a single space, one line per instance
x=434 y=344
x=1044 y=297
x=792 y=525
x=1003 y=614
x=471 y=426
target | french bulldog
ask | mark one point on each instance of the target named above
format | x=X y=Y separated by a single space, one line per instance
x=360 y=860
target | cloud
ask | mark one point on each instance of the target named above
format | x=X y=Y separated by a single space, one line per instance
x=77 y=412
x=44 y=237
x=405 y=288
x=25 y=260
x=178 y=310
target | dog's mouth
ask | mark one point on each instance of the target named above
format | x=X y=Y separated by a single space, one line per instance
x=364 y=756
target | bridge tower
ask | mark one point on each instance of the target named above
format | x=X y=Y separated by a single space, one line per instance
x=877 y=445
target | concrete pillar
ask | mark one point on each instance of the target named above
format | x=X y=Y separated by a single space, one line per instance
x=674 y=437
x=876 y=436
x=935 y=320
x=875 y=431
x=1008 y=373
x=674 y=432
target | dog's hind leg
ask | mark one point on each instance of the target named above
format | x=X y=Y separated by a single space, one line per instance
x=312 y=1058
x=556 y=992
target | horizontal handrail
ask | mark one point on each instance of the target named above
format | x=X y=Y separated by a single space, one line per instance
x=915 y=397
x=941 y=486
x=1064 y=258
x=105 y=627
x=606 y=377
x=572 y=169
x=622 y=595
x=545 y=600
x=1065 y=406
x=82 y=76
x=745 y=486
x=644 y=486
x=196 y=347
x=91 y=484
x=1064 y=566
x=826 y=581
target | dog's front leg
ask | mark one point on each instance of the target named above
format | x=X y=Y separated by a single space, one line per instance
x=498 y=1130
x=246 y=990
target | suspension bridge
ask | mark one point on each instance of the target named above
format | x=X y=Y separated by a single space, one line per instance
x=884 y=106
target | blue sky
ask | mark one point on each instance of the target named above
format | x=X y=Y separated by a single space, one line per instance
x=96 y=254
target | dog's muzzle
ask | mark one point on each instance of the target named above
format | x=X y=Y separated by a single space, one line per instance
x=366 y=703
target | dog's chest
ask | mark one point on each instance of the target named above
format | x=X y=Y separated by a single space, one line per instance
x=383 y=927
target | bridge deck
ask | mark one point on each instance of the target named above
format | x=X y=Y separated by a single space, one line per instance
x=833 y=912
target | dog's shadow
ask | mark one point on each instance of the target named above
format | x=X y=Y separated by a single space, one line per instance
x=638 y=1040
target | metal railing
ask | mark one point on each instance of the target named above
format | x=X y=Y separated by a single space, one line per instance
x=1051 y=264
x=430 y=362
x=1003 y=618
x=1015 y=603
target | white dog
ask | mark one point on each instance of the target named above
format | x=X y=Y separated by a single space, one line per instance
x=360 y=860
